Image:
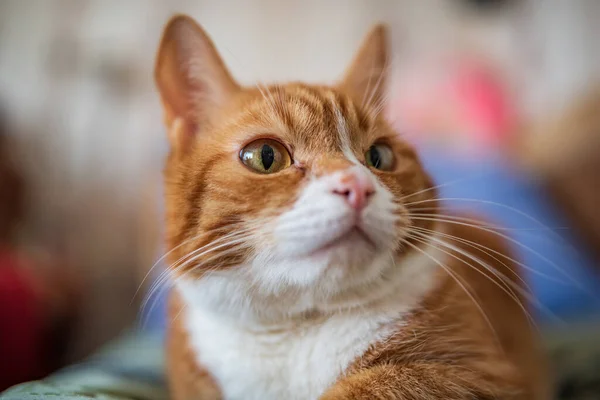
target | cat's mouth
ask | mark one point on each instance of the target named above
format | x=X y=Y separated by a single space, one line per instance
x=352 y=237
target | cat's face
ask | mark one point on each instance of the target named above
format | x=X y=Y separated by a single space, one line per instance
x=288 y=198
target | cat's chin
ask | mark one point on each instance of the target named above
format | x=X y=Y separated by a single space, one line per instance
x=352 y=241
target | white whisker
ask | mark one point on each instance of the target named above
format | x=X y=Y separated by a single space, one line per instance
x=463 y=285
x=489 y=250
x=510 y=239
x=510 y=284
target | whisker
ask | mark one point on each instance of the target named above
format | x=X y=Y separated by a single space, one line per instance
x=380 y=106
x=168 y=282
x=532 y=232
x=510 y=239
x=262 y=88
x=463 y=285
x=188 y=255
x=173 y=268
x=506 y=207
x=470 y=220
x=187 y=241
x=270 y=100
x=362 y=102
x=157 y=263
x=237 y=240
x=489 y=250
x=384 y=69
x=179 y=313
x=509 y=285
x=453 y=182
x=195 y=253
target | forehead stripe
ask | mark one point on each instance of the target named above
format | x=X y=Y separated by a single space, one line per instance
x=344 y=134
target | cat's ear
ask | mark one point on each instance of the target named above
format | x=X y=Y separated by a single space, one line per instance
x=366 y=77
x=191 y=77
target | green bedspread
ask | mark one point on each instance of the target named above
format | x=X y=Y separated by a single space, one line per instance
x=128 y=369
x=131 y=369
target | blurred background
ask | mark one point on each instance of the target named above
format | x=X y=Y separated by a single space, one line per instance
x=506 y=92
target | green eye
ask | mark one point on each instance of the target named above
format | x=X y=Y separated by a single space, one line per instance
x=266 y=156
x=380 y=156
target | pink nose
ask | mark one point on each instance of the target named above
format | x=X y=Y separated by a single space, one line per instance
x=355 y=189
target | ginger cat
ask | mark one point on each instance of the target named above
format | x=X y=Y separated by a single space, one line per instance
x=307 y=258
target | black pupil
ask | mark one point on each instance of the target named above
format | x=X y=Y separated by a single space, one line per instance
x=375 y=157
x=267 y=156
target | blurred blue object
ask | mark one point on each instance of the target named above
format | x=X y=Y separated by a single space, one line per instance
x=153 y=315
x=560 y=271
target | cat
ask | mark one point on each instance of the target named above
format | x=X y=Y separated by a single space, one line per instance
x=309 y=256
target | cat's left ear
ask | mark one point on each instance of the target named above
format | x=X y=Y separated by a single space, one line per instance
x=366 y=77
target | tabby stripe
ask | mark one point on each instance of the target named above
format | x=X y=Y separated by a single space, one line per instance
x=195 y=198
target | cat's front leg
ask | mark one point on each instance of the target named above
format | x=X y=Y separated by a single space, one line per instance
x=420 y=382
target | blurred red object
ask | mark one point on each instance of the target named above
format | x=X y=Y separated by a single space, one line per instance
x=457 y=101
x=38 y=295
x=21 y=324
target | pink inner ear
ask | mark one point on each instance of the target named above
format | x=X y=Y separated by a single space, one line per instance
x=458 y=101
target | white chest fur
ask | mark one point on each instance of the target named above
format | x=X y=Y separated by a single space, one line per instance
x=297 y=363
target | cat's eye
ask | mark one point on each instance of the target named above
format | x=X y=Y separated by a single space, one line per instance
x=266 y=156
x=380 y=156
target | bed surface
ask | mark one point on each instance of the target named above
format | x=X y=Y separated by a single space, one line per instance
x=131 y=368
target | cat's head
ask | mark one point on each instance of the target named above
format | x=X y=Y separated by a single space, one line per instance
x=287 y=198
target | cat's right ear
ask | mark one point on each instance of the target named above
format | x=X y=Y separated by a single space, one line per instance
x=366 y=77
x=192 y=79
